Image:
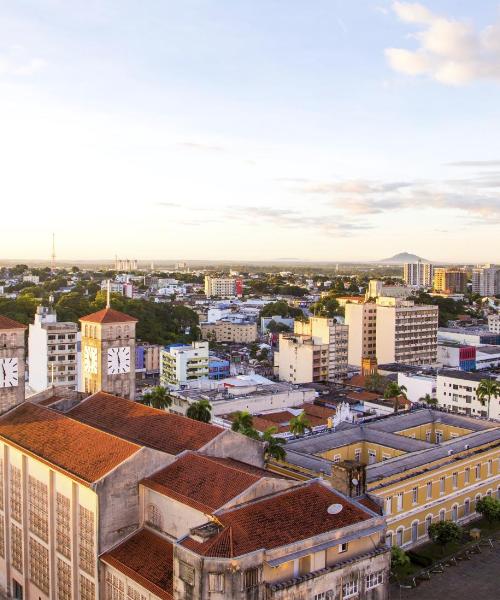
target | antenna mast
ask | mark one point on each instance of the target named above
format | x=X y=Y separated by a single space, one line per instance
x=53 y=255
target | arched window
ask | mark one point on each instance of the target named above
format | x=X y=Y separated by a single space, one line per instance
x=466 y=507
x=13 y=339
x=126 y=331
x=428 y=523
x=388 y=538
x=118 y=332
x=442 y=514
x=110 y=332
x=154 y=517
x=454 y=513
x=489 y=493
x=3 y=340
x=399 y=537
x=414 y=531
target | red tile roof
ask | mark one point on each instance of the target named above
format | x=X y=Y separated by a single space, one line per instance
x=371 y=504
x=6 y=323
x=204 y=482
x=108 y=315
x=278 y=520
x=147 y=559
x=80 y=451
x=144 y=425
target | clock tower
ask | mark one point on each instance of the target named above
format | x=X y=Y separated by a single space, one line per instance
x=12 y=363
x=108 y=353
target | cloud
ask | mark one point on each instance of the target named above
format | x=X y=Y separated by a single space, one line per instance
x=474 y=163
x=450 y=51
x=14 y=62
x=202 y=146
x=476 y=197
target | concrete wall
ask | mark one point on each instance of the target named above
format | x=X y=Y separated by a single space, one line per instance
x=230 y=444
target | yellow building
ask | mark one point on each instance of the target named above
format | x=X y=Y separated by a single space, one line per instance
x=244 y=332
x=421 y=467
x=450 y=280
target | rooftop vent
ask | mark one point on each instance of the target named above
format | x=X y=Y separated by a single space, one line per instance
x=334 y=509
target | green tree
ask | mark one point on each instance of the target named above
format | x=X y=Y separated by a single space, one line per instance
x=299 y=424
x=489 y=508
x=243 y=423
x=444 y=533
x=429 y=400
x=200 y=411
x=399 y=558
x=375 y=383
x=486 y=389
x=274 y=445
x=328 y=306
x=158 y=397
x=281 y=308
x=393 y=391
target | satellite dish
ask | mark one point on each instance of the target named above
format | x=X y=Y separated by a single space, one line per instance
x=334 y=509
x=354 y=481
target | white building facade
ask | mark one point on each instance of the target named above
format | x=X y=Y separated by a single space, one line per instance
x=181 y=364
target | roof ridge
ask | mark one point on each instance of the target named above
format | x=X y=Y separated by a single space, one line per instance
x=233 y=468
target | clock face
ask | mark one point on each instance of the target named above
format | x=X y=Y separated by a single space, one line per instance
x=119 y=360
x=90 y=360
x=9 y=374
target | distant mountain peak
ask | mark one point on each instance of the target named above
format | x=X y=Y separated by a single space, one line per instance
x=403 y=257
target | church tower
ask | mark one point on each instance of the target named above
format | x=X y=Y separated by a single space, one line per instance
x=12 y=363
x=108 y=353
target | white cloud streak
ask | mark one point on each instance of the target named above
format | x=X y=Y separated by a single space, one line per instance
x=450 y=51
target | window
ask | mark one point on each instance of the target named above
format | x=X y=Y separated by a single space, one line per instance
x=388 y=539
x=186 y=573
x=428 y=523
x=442 y=485
x=399 y=537
x=39 y=565
x=414 y=531
x=64 y=583
x=87 y=589
x=428 y=435
x=372 y=457
x=16 y=547
x=442 y=514
x=343 y=547
x=454 y=479
x=454 y=513
x=86 y=540
x=15 y=494
x=478 y=471
x=399 y=501
x=439 y=437
x=154 y=517
x=63 y=525
x=466 y=507
x=350 y=588
x=251 y=578
x=429 y=490
x=374 y=579
x=467 y=475
x=388 y=505
x=133 y=594
x=357 y=454
x=216 y=582
x=336 y=458
x=38 y=508
x=115 y=588
x=490 y=467
x=414 y=495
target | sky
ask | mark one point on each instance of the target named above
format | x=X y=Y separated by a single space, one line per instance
x=324 y=130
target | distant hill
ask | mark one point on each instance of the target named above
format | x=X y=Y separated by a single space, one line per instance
x=402 y=257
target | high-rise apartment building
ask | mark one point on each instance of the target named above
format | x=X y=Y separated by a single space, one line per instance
x=418 y=274
x=486 y=280
x=222 y=286
x=362 y=322
x=180 y=364
x=53 y=352
x=450 y=281
x=12 y=365
x=316 y=351
x=406 y=332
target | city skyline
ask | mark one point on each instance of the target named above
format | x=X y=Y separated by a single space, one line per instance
x=243 y=132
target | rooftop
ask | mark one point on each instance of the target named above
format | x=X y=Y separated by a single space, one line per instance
x=464 y=375
x=108 y=315
x=147 y=559
x=72 y=447
x=279 y=520
x=205 y=483
x=6 y=323
x=143 y=425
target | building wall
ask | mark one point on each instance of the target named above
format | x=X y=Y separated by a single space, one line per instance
x=460 y=395
x=225 y=331
x=361 y=319
x=294 y=360
x=12 y=346
x=366 y=452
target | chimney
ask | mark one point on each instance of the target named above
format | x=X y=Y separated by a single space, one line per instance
x=349 y=477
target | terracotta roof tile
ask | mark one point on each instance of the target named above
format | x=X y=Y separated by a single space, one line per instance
x=147 y=559
x=144 y=425
x=6 y=323
x=203 y=482
x=279 y=520
x=108 y=315
x=72 y=447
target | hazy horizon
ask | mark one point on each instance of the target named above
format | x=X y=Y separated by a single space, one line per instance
x=250 y=129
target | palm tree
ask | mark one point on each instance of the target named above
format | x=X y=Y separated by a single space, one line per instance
x=274 y=445
x=299 y=424
x=429 y=400
x=157 y=398
x=200 y=411
x=395 y=391
x=243 y=423
x=486 y=389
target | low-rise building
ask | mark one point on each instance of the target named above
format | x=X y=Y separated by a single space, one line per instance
x=471 y=336
x=147 y=359
x=243 y=331
x=418 y=385
x=457 y=356
x=181 y=364
x=457 y=391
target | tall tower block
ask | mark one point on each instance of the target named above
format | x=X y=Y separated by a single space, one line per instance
x=108 y=353
x=12 y=363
